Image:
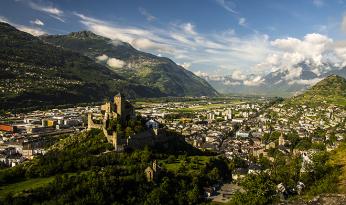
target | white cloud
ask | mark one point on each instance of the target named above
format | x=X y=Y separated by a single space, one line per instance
x=314 y=49
x=228 y=5
x=238 y=75
x=242 y=21
x=31 y=30
x=186 y=65
x=226 y=50
x=115 y=63
x=343 y=24
x=146 y=14
x=53 y=12
x=227 y=82
x=102 y=57
x=293 y=73
x=37 y=22
x=201 y=74
x=318 y=3
x=48 y=9
x=4 y=20
x=254 y=81
x=305 y=82
x=189 y=28
x=183 y=43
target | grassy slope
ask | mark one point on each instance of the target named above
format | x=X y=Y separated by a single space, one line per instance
x=24 y=185
x=339 y=159
x=331 y=90
x=28 y=184
x=174 y=167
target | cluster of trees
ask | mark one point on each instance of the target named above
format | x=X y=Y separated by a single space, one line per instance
x=320 y=176
x=128 y=128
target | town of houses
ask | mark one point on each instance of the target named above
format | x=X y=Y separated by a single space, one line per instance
x=22 y=136
x=230 y=128
x=237 y=130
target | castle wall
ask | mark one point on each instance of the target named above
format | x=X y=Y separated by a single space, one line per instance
x=91 y=123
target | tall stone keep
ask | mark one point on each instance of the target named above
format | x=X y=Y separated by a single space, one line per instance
x=119 y=104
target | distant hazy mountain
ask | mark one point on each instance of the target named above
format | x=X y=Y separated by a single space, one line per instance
x=144 y=68
x=331 y=90
x=283 y=82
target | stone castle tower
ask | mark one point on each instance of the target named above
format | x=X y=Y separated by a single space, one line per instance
x=119 y=105
x=119 y=108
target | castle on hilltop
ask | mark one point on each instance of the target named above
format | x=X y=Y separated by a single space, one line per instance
x=120 y=111
x=117 y=109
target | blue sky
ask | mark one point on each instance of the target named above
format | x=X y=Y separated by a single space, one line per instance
x=208 y=37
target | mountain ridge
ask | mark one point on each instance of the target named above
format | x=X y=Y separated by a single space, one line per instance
x=36 y=74
x=144 y=68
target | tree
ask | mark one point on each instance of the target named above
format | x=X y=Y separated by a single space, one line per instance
x=214 y=174
x=193 y=195
x=259 y=190
x=129 y=132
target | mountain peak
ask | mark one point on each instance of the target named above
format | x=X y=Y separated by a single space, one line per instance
x=85 y=35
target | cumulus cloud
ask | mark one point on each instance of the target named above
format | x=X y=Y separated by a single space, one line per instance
x=186 y=65
x=102 y=57
x=146 y=14
x=310 y=82
x=314 y=49
x=37 y=22
x=201 y=74
x=182 y=42
x=254 y=81
x=293 y=73
x=238 y=75
x=115 y=63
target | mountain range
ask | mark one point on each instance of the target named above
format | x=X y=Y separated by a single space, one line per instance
x=282 y=82
x=41 y=71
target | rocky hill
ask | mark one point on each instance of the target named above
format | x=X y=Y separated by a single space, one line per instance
x=144 y=68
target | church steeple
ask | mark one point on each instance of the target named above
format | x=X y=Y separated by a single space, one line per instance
x=281 y=139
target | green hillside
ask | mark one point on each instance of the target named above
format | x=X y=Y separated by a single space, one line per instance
x=83 y=169
x=331 y=90
x=144 y=68
x=36 y=74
